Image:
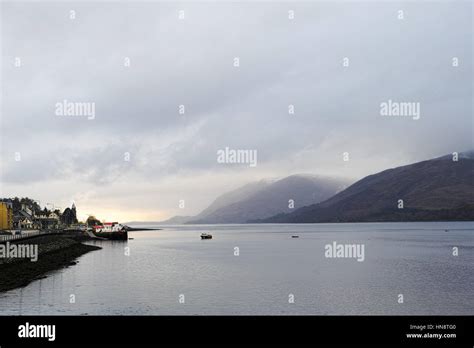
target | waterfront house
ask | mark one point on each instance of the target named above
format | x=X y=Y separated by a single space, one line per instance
x=47 y=220
x=6 y=216
x=23 y=220
x=26 y=209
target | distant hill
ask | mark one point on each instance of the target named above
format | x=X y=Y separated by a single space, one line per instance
x=266 y=198
x=232 y=197
x=432 y=190
x=176 y=220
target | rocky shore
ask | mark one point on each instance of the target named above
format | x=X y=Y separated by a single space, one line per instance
x=54 y=252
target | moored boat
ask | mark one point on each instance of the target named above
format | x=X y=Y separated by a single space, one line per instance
x=111 y=230
x=206 y=236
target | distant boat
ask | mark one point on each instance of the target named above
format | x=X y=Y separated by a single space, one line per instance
x=206 y=236
x=295 y=236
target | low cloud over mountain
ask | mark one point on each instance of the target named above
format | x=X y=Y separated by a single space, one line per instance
x=266 y=198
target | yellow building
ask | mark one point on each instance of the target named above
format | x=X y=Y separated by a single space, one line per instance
x=6 y=216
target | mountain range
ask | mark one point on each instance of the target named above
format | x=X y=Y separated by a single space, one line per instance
x=432 y=190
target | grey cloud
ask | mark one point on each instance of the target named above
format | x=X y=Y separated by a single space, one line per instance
x=190 y=62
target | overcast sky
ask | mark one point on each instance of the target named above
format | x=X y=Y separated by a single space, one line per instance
x=189 y=62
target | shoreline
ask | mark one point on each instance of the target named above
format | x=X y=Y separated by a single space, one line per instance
x=54 y=253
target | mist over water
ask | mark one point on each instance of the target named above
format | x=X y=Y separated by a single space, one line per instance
x=413 y=259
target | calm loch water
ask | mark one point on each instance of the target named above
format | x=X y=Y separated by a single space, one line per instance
x=164 y=267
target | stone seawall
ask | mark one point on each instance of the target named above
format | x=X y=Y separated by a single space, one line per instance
x=54 y=252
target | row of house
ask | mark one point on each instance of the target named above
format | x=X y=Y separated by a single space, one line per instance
x=28 y=218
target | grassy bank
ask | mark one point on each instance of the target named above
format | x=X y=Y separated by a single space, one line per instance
x=54 y=252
